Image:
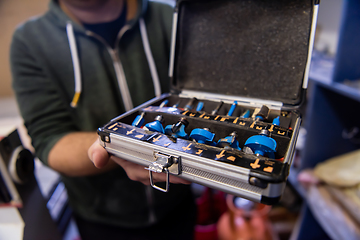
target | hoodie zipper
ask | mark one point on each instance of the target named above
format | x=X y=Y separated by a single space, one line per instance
x=119 y=71
x=126 y=97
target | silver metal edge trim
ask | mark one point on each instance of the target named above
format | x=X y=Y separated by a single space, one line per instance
x=223 y=187
x=311 y=45
x=197 y=179
x=273 y=190
x=173 y=43
x=125 y=156
x=244 y=101
x=214 y=168
x=185 y=157
x=291 y=148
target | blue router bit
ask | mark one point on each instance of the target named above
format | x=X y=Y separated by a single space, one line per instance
x=262 y=144
x=177 y=130
x=276 y=121
x=164 y=103
x=176 y=104
x=232 y=109
x=203 y=135
x=245 y=114
x=189 y=105
x=200 y=106
x=262 y=114
x=156 y=125
x=216 y=110
x=229 y=141
x=139 y=120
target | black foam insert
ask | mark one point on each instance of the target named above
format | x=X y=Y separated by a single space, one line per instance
x=249 y=48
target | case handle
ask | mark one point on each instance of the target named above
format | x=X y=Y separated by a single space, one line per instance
x=161 y=164
x=167 y=186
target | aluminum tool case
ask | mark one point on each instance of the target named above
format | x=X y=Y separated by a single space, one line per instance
x=255 y=52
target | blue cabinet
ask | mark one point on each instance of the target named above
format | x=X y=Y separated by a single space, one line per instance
x=332 y=119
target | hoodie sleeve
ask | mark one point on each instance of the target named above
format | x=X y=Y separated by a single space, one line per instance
x=45 y=115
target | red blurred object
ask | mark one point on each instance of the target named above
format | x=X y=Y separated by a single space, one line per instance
x=210 y=206
x=244 y=220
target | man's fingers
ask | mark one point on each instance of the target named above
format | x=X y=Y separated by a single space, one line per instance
x=98 y=155
x=134 y=171
x=177 y=180
x=161 y=177
x=138 y=173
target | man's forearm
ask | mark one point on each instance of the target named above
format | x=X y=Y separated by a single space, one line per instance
x=69 y=156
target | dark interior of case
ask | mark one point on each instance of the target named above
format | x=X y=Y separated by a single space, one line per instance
x=249 y=48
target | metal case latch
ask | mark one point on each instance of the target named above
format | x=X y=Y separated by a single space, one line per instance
x=161 y=164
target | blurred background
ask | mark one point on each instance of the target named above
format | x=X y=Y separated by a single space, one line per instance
x=329 y=129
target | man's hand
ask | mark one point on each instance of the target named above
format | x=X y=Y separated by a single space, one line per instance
x=100 y=157
x=69 y=156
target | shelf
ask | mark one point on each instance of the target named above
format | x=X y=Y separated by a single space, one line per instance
x=340 y=88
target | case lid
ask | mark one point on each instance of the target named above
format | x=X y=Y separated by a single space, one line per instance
x=249 y=48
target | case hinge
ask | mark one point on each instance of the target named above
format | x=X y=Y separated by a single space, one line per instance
x=164 y=163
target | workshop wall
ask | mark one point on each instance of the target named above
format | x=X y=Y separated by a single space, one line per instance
x=12 y=13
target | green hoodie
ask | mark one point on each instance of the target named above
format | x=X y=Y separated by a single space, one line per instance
x=43 y=80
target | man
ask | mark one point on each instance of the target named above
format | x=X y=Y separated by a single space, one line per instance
x=81 y=64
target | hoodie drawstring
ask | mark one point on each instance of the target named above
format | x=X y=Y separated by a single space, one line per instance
x=150 y=59
x=76 y=63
